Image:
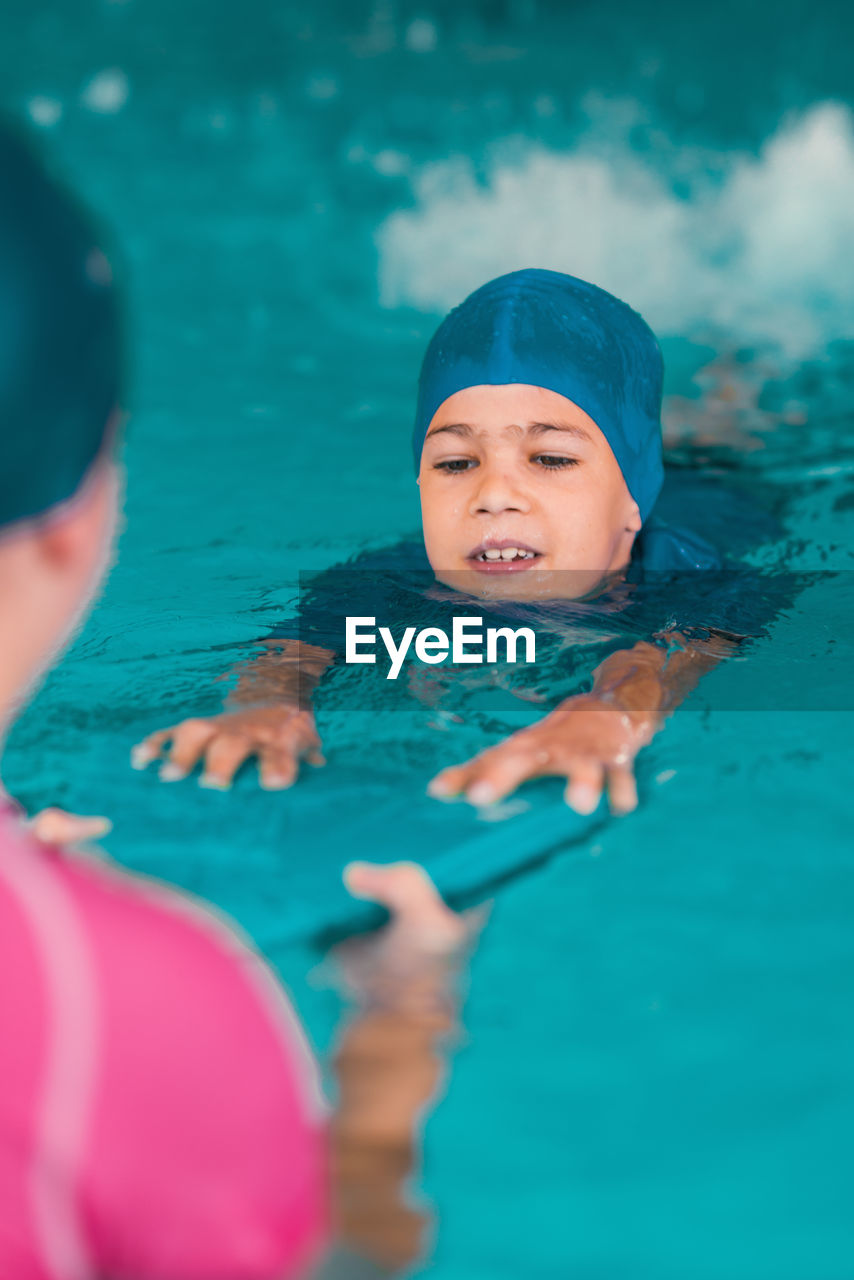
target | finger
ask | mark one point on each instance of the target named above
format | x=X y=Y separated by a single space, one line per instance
x=224 y=756
x=586 y=780
x=44 y=824
x=622 y=789
x=451 y=781
x=497 y=773
x=405 y=889
x=363 y=879
x=310 y=748
x=55 y=826
x=189 y=741
x=150 y=748
x=278 y=769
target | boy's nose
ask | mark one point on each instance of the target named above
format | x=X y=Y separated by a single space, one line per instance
x=497 y=492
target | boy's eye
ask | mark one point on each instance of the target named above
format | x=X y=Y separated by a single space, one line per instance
x=554 y=461
x=455 y=464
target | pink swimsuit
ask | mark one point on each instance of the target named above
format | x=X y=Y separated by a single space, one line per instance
x=160 y=1118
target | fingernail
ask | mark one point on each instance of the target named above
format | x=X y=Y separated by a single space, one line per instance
x=274 y=783
x=141 y=757
x=212 y=783
x=583 y=799
x=436 y=787
x=355 y=869
x=351 y=879
x=481 y=793
x=171 y=773
x=351 y=867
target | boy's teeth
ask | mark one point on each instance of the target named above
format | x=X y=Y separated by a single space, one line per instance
x=508 y=553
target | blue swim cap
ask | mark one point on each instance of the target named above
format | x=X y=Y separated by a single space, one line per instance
x=60 y=344
x=550 y=330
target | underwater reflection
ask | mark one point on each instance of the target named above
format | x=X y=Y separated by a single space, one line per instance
x=391 y=1065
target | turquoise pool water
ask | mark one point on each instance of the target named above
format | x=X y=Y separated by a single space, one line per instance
x=655 y=1075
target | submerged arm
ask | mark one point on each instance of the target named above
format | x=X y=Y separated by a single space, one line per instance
x=285 y=673
x=391 y=1061
x=648 y=681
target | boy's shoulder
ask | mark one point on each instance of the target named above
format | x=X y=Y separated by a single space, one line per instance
x=692 y=557
x=702 y=520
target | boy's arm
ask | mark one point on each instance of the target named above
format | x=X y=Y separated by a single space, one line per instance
x=268 y=714
x=650 y=681
x=592 y=739
x=286 y=673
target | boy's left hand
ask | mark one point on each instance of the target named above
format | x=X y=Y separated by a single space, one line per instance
x=587 y=740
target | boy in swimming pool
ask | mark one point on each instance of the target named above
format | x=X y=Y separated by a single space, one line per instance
x=538 y=451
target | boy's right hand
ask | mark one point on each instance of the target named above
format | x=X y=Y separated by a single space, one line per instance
x=279 y=736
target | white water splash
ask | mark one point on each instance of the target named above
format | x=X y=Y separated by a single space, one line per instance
x=763 y=249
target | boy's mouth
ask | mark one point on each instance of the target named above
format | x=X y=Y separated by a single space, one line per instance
x=503 y=556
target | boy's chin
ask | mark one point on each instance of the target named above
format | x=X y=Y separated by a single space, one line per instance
x=532 y=584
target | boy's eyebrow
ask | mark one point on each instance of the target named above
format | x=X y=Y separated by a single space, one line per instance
x=533 y=429
x=568 y=428
x=454 y=428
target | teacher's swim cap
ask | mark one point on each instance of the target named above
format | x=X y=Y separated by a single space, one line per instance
x=60 y=345
x=554 y=331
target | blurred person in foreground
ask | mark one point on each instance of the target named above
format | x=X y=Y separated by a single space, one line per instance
x=160 y=1114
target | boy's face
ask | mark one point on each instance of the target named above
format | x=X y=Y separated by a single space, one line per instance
x=520 y=467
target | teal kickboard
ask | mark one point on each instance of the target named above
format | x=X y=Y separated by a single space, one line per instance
x=274 y=860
